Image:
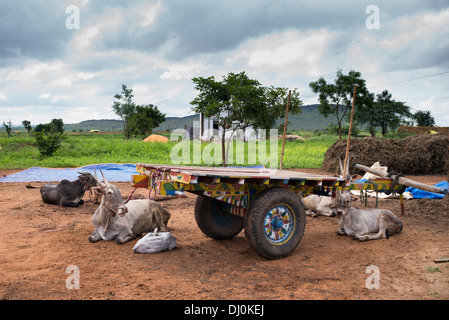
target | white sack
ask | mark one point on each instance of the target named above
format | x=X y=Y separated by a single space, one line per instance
x=155 y=242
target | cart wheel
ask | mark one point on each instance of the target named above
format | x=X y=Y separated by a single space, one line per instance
x=275 y=222
x=215 y=220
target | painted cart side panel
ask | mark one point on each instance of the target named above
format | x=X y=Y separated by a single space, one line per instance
x=237 y=186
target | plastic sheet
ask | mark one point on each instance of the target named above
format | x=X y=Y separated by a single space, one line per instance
x=114 y=172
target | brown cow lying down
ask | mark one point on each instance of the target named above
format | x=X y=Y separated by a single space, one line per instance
x=115 y=220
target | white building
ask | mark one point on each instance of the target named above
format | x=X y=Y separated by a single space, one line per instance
x=210 y=130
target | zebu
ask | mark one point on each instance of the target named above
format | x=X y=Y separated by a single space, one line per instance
x=115 y=220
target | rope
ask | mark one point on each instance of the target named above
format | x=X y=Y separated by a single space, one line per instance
x=89 y=188
x=129 y=198
x=395 y=182
x=153 y=183
x=375 y=186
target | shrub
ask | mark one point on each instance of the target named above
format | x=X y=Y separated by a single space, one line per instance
x=48 y=143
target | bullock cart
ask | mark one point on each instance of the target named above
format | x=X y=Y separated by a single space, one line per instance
x=262 y=201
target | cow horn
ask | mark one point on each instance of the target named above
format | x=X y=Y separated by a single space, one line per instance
x=98 y=180
x=104 y=178
x=341 y=166
x=348 y=175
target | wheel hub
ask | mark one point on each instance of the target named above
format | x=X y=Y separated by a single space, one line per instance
x=279 y=224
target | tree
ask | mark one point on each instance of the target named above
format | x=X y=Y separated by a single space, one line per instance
x=8 y=128
x=55 y=125
x=385 y=113
x=124 y=107
x=27 y=126
x=424 y=119
x=239 y=102
x=336 y=98
x=145 y=119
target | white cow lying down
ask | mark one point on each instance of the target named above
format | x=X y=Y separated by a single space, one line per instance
x=366 y=224
x=319 y=206
x=115 y=220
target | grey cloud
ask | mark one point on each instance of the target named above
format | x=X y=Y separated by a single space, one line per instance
x=37 y=28
x=33 y=29
x=198 y=27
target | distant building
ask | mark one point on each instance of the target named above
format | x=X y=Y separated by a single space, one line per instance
x=210 y=130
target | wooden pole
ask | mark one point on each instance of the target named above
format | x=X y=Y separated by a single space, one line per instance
x=441 y=260
x=403 y=181
x=285 y=129
x=349 y=133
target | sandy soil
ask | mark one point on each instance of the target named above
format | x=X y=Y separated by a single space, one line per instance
x=39 y=241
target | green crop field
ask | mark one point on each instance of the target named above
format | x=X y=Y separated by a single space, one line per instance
x=19 y=152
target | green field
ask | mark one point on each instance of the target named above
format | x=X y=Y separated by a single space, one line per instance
x=19 y=152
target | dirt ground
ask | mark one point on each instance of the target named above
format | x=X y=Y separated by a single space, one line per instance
x=39 y=241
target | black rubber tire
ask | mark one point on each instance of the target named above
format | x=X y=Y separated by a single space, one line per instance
x=259 y=232
x=214 y=220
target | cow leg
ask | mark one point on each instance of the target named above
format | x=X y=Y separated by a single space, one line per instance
x=311 y=213
x=94 y=236
x=391 y=223
x=70 y=204
x=159 y=220
x=370 y=236
x=341 y=232
x=120 y=239
x=330 y=213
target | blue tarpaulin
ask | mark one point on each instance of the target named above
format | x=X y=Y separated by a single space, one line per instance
x=113 y=172
x=420 y=194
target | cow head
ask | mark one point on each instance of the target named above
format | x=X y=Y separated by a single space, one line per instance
x=87 y=179
x=111 y=197
x=344 y=202
x=345 y=199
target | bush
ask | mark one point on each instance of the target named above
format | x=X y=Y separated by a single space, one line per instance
x=333 y=129
x=48 y=143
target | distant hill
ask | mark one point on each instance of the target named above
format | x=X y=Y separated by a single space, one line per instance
x=172 y=123
x=309 y=119
x=100 y=125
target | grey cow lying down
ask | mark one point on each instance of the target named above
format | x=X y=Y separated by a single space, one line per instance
x=366 y=224
x=115 y=220
x=67 y=193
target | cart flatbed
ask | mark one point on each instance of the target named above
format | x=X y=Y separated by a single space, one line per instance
x=260 y=174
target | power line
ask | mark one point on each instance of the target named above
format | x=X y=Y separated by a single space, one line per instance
x=402 y=81
x=430 y=75
x=423 y=98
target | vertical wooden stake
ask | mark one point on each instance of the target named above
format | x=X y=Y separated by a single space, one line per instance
x=285 y=129
x=349 y=133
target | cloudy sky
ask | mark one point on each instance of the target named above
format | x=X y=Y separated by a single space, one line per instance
x=51 y=67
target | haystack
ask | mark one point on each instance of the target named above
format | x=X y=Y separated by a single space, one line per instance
x=424 y=154
x=156 y=138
